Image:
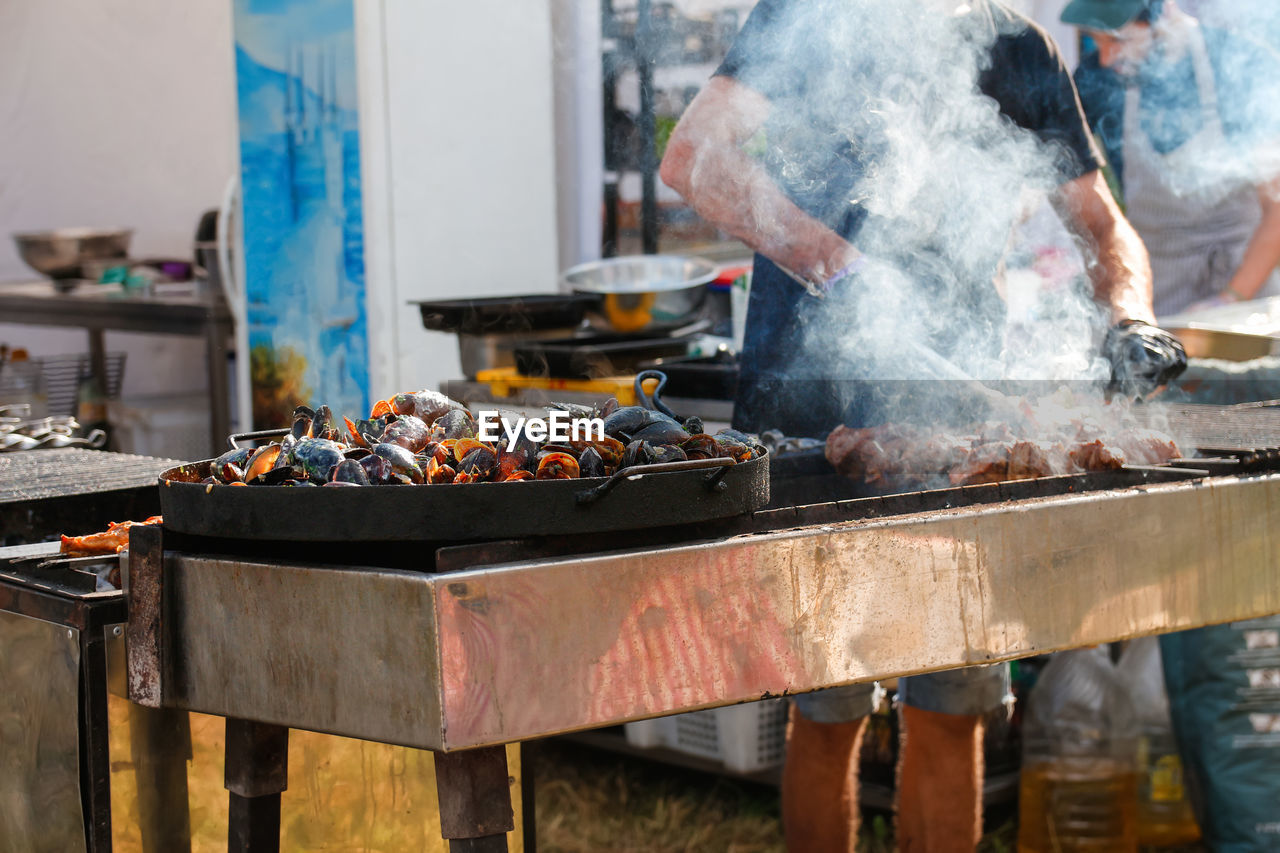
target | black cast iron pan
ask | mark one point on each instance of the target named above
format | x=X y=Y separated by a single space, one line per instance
x=634 y=498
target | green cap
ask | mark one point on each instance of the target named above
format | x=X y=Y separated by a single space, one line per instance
x=1102 y=14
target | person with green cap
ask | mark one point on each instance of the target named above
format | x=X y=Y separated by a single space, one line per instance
x=1189 y=117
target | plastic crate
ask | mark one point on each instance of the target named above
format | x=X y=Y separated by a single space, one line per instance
x=744 y=738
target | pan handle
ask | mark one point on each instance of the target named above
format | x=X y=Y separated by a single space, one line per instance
x=653 y=402
x=714 y=481
x=238 y=437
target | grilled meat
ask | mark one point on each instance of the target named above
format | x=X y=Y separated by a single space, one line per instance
x=113 y=540
x=899 y=457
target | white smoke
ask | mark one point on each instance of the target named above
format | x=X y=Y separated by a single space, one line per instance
x=1248 y=92
x=946 y=179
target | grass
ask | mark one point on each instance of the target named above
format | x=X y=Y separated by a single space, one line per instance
x=590 y=800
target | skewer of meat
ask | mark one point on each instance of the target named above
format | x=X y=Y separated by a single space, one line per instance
x=111 y=541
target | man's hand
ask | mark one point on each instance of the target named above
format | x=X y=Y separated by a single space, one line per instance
x=1142 y=357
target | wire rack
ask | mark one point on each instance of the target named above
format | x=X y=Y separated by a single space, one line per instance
x=57 y=377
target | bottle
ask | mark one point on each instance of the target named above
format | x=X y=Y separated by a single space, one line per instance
x=1079 y=781
x=1165 y=817
x=91 y=404
x=23 y=383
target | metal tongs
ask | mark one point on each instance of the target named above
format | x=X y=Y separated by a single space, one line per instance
x=1002 y=406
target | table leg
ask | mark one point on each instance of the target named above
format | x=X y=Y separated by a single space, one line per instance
x=161 y=742
x=216 y=351
x=257 y=772
x=474 y=791
x=528 y=797
x=98 y=357
x=95 y=773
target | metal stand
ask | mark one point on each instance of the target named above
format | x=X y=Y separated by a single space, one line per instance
x=257 y=772
x=86 y=615
x=475 y=799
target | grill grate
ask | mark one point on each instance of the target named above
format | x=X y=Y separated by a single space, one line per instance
x=1230 y=429
x=42 y=474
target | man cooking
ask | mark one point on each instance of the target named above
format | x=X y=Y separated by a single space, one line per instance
x=873 y=155
x=1190 y=119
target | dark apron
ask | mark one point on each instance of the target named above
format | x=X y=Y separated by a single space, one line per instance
x=788 y=381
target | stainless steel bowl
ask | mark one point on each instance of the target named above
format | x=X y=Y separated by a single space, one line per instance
x=59 y=254
x=644 y=292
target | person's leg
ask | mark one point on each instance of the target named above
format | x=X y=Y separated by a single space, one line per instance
x=940 y=763
x=820 y=776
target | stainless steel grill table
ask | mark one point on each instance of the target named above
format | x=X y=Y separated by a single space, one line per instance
x=466 y=647
x=99 y=308
x=52 y=642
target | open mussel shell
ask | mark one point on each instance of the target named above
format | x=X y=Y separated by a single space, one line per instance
x=557 y=466
x=230 y=466
x=479 y=462
x=262 y=461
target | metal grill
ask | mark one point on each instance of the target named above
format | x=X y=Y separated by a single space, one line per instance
x=1228 y=429
x=42 y=474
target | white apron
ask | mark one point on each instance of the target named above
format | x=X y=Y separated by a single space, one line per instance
x=1196 y=228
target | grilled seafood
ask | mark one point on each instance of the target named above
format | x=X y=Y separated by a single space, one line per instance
x=426 y=438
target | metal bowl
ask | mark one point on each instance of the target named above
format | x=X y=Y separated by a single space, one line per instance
x=644 y=292
x=59 y=254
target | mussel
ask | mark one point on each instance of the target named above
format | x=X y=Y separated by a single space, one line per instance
x=322 y=425
x=700 y=446
x=302 y=418
x=377 y=469
x=316 y=458
x=477 y=461
x=350 y=471
x=408 y=431
x=402 y=462
x=261 y=462
x=590 y=464
x=438 y=473
x=426 y=405
x=662 y=432
x=610 y=449
x=557 y=466
x=229 y=467
x=624 y=423
x=365 y=432
x=455 y=424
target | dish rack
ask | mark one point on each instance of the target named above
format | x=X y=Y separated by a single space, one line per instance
x=746 y=738
x=55 y=378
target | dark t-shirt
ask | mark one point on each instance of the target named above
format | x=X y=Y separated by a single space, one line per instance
x=1247 y=77
x=786 y=51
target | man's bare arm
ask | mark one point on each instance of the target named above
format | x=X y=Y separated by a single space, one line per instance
x=1263 y=253
x=1121 y=273
x=707 y=164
